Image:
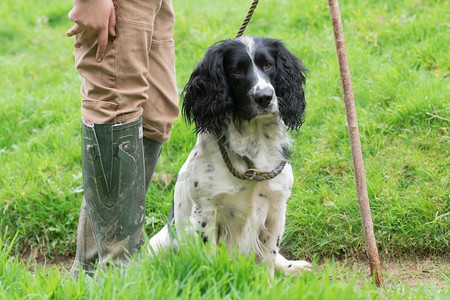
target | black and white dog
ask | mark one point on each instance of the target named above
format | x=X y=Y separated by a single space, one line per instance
x=243 y=97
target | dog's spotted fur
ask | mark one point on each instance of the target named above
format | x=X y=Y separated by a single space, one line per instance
x=249 y=90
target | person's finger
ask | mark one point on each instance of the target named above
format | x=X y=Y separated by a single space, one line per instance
x=76 y=29
x=112 y=23
x=83 y=38
x=71 y=15
x=102 y=43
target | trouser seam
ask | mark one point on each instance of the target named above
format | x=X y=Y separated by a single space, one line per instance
x=119 y=100
x=140 y=24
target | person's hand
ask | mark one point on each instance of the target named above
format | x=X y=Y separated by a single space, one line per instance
x=93 y=18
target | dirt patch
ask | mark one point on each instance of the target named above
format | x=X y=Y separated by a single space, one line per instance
x=432 y=273
x=35 y=258
x=418 y=272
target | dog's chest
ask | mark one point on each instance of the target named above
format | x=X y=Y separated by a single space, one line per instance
x=212 y=182
x=240 y=207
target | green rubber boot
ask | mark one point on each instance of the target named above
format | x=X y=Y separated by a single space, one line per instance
x=112 y=214
x=152 y=149
x=87 y=252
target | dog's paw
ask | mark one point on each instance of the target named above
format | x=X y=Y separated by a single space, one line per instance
x=295 y=266
x=291 y=266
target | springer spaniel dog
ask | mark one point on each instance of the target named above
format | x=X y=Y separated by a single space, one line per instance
x=243 y=97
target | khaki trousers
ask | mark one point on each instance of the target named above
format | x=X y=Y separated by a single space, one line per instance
x=137 y=76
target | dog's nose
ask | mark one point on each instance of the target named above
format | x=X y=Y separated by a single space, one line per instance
x=263 y=97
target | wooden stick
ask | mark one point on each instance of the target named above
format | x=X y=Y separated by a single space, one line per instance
x=355 y=144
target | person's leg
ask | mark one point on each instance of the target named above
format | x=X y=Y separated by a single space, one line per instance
x=161 y=108
x=114 y=91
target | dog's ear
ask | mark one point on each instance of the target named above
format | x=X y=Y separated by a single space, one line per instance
x=206 y=98
x=289 y=83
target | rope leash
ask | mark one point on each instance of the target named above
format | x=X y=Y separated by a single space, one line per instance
x=247 y=18
x=251 y=173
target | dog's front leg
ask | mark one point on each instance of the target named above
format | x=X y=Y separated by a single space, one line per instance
x=270 y=236
x=205 y=220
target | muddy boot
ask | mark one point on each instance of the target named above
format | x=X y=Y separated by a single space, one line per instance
x=114 y=187
x=87 y=253
x=152 y=149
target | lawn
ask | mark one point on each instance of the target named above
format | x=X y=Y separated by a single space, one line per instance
x=400 y=65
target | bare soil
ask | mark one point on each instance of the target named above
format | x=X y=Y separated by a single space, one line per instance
x=412 y=272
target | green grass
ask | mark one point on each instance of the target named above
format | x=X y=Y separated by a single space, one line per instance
x=400 y=64
x=194 y=273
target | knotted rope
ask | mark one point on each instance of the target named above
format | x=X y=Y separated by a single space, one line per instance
x=247 y=18
x=251 y=173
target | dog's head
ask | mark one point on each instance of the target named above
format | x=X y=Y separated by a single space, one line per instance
x=242 y=79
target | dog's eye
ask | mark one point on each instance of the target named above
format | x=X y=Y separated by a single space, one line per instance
x=237 y=71
x=267 y=66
